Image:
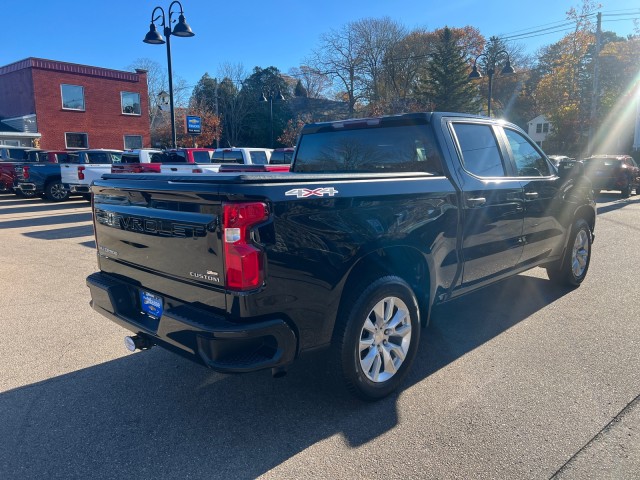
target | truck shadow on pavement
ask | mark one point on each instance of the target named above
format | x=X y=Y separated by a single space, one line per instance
x=155 y=415
x=621 y=203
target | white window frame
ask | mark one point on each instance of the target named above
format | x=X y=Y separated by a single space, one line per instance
x=122 y=103
x=62 y=98
x=124 y=142
x=67 y=147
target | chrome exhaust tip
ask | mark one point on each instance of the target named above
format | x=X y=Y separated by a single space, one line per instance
x=136 y=343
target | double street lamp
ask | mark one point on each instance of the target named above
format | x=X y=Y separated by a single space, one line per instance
x=269 y=93
x=492 y=59
x=181 y=29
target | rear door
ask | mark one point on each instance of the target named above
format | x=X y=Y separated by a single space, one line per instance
x=492 y=199
x=69 y=168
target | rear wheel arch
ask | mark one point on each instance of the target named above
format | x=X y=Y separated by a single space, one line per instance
x=404 y=262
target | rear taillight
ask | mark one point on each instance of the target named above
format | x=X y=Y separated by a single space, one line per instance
x=81 y=173
x=25 y=172
x=196 y=170
x=244 y=261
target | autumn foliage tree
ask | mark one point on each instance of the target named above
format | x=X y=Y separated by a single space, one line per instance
x=292 y=131
x=210 y=122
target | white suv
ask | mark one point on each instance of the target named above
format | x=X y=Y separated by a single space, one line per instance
x=243 y=156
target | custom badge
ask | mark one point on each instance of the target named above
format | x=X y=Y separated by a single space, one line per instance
x=316 y=192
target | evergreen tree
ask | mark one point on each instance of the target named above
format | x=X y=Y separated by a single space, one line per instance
x=204 y=93
x=300 y=91
x=447 y=86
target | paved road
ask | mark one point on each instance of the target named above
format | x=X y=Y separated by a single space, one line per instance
x=521 y=380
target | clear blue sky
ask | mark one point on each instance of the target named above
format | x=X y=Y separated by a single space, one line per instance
x=109 y=33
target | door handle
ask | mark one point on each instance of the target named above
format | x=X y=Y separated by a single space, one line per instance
x=174 y=169
x=531 y=195
x=476 y=202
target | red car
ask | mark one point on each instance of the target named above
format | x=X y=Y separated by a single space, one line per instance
x=613 y=172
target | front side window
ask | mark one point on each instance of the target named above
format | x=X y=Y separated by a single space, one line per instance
x=132 y=142
x=480 y=153
x=72 y=97
x=76 y=140
x=529 y=161
x=130 y=103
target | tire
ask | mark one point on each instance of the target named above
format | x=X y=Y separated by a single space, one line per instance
x=572 y=270
x=55 y=191
x=376 y=337
x=626 y=191
x=25 y=194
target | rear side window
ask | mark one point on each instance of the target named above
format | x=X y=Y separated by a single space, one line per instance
x=407 y=148
x=98 y=157
x=281 y=157
x=228 y=156
x=480 y=153
x=130 y=158
x=202 y=157
x=176 y=157
x=258 y=158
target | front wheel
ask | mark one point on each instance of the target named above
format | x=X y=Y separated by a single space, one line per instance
x=55 y=192
x=626 y=190
x=572 y=269
x=376 y=338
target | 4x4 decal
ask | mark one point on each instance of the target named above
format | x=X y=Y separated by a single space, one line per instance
x=316 y=192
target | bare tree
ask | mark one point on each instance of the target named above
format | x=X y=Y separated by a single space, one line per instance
x=339 y=58
x=314 y=82
x=375 y=38
x=233 y=104
x=158 y=81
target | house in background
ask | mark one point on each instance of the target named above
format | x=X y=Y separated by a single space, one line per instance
x=59 y=106
x=19 y=132
x=538 y=129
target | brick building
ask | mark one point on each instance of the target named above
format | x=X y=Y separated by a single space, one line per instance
x=67 y=106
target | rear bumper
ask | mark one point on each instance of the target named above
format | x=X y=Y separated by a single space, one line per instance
x=196 y=333
x=78 y=188
x=25 y=187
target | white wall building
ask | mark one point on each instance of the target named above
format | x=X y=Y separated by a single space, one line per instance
x=538 y=129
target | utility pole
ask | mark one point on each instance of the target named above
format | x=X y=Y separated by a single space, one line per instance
x=217 y=115
x=595 y=95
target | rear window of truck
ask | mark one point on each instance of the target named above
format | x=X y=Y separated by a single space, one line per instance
x=228 y=156
x=408 y=148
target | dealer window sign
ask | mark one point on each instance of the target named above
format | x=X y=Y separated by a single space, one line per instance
x=194 y=125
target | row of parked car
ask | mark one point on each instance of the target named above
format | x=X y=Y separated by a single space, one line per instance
x=56 y=175
x=606 y=172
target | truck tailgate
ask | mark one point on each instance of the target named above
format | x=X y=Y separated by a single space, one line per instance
x=163 y=239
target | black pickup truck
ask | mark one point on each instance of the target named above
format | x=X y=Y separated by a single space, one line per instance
x=379 y=220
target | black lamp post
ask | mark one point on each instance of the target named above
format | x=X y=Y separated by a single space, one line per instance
x=181 y=29
x=491 y=70
x=269 y=93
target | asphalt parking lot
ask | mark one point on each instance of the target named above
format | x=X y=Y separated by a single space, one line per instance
x=520 y=380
